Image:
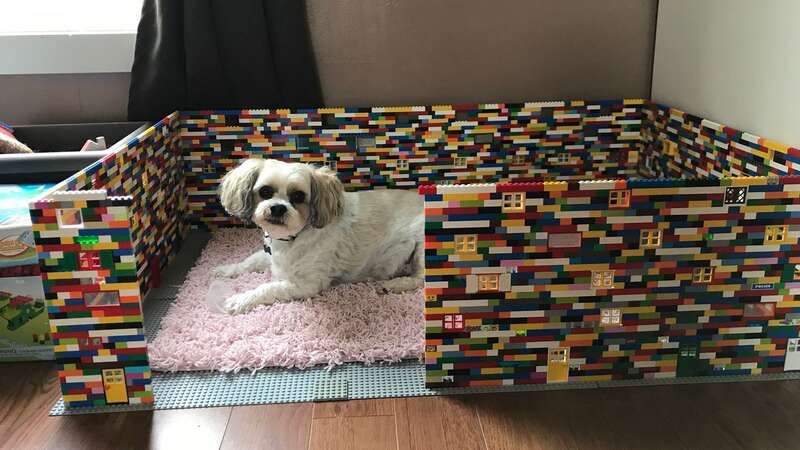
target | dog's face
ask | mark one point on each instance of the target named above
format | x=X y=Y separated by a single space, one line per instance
x=282 y=198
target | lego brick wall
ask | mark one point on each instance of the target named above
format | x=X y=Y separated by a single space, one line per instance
x=605 y=280
x=701 y=148
x=89 y=274
x=403 y=147
x=149 y=169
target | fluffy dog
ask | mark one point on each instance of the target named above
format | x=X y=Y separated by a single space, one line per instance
x=316 y=235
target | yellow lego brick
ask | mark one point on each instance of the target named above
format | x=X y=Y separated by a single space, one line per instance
x=588 y=378
x=118 y=286
x=443 y=271
x=331 y=110
x=581 y=337
x=524 y=357
x=748 y=181
x=494 y=370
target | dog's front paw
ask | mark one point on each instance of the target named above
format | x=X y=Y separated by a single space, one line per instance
x=402 y=284
x=227 y=271
x=244 y=302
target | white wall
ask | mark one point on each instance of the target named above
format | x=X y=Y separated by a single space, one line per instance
x=736 y=62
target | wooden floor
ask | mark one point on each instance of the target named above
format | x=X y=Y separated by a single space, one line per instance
x=757 y=415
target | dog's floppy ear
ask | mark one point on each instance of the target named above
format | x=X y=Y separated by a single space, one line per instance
x=327 y=196
x=236 y=189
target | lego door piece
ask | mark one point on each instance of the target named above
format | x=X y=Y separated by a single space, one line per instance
x=114 y=386
x=558 y=365
x=688 y=362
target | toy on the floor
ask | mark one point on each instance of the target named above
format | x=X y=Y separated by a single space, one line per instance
x=22 y=306
x=218 y=291
x=10 y=144
x=611 y=240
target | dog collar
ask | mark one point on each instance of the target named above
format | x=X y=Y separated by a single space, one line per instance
x=268 y=240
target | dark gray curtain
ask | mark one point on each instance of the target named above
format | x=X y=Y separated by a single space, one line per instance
x=215 y=54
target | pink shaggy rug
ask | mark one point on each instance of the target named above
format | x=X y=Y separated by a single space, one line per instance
x=354 y=322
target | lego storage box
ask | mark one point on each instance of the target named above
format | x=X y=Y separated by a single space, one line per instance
x=565 y=241
x=58 y=149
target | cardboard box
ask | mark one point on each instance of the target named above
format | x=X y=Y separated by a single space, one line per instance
x=24 y=327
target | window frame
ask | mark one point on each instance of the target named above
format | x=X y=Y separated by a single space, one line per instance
x=620 y=198
x=602 y=279
x=514 y=203
x=647 y=243
x=702 y=275
x=488 y=282
x=466 y=243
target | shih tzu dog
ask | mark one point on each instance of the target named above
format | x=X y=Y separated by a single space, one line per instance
x=316 y=235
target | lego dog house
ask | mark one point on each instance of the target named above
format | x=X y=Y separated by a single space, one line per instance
x=565 y=241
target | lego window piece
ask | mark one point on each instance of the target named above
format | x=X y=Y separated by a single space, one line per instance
x=564 y=240
x=602 y=278
x=364 y=142
x=460 y=162
x=100 y=299
x=650 y=239
x=489 y=282
x=735 y=195
x=562 y=158
x=518 y=159
x=759 y=310
x=484 y=138
x=702 y=274
x=89 y=260
x=619 y=199
x=299 y=142
x=402 y=164
x=513 y=201
x=776 y=234
x=430 y=298
x=454 y=322
x=466 y=243
x=330 y=164
x=69 y=218
x=611 y=316
x=558 y=355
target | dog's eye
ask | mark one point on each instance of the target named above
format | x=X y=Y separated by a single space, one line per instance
x=266 y=192
x=297 y=197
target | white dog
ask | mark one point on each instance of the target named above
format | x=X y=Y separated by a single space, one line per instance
x=317 y=235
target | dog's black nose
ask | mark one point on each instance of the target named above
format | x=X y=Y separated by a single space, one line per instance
x=277 y=210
